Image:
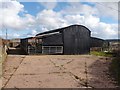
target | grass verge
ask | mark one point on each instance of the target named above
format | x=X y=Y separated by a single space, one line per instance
x=99 y=53
x=115 y=69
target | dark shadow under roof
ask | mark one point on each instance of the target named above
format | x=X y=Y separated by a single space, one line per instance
x=60 y=29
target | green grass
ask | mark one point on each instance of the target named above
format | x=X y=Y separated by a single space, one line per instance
x=114 y=67
x=101 y=53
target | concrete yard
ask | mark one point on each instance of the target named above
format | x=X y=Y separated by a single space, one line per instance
x=56 y=71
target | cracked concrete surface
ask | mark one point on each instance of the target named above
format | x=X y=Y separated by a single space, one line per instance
x=56 y=71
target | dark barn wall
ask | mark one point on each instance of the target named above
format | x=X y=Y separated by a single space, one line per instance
x=52 y=44
x=76 y=40
x=38 y=45
x=24 y=45
x=96 y=42
x=52 y=40
x=31 y=46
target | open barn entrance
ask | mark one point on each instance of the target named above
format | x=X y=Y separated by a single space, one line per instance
x=15 y=51
x=31 y=45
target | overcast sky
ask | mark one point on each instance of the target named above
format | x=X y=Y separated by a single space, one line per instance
x=26 y=19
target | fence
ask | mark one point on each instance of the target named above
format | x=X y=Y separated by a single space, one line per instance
x=3 y=53
x=52 y=49
x=3 y=56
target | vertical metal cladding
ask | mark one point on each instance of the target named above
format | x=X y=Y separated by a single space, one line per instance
x=52 y=40
x=96 y=42
x=24 y=45
x=76 y=40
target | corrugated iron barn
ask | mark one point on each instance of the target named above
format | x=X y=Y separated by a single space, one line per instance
x=14 y=42
x=96 y=42
x=74 y=39
x=31 y=45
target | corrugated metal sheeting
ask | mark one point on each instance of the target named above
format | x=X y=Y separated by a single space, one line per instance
x=74 y=39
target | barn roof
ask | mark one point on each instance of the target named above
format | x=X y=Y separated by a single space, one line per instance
x=113 y=40
x=60 y=29
x=28 y=38
x=97 y=38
